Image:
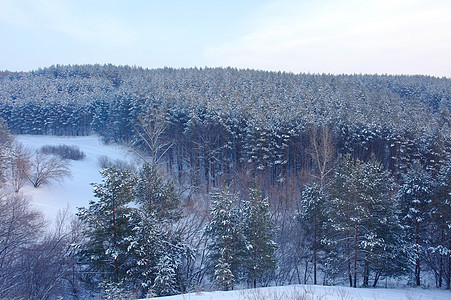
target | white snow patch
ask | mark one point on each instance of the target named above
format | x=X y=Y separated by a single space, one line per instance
x=293 y=292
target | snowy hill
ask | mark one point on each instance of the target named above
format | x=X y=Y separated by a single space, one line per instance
x=309 y=292
x=75 y=191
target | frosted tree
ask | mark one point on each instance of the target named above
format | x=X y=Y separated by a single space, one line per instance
x=440 y=244
x=107 y=225
x=166 y=281
x=156 y=195
x=154 y=234
x=415 y=197
x=364 y=226
x=382 y=237
x=226 y=244
x=312 y=216
x=258 y=229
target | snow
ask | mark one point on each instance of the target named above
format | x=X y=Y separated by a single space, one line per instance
x=293 y=292
x=75 y=191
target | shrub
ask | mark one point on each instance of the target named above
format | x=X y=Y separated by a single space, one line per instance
x=64 y=151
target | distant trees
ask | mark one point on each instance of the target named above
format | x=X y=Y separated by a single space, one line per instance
x=64 y=151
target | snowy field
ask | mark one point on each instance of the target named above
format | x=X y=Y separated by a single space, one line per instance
x=75 y=191
x=309 y=292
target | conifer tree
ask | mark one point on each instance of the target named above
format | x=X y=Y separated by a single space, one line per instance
x=415 y=204
x=441 y=214
x=258 y=230
x=154 y=242
x=312 y=216
x=106 y=221
x=226 y=243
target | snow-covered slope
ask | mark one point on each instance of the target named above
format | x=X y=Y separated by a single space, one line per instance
x=75 y=191
x=309 y=292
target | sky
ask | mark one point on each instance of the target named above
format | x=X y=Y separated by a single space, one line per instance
x=299 y=36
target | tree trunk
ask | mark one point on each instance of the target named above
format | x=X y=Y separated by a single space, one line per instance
x=376 y=279
x=348 y=256
x=417 y=260
x=366 y=274
x=314 y=249
x=356 y=232
x=448 y=273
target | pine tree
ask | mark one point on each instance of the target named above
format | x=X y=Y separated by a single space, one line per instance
x=415 y=204
x=382 y=235
x=165 y=283
x=106 y=221
x=364 y=227
x=226 y=244
x=156 y=195
x=312 y=216
x=441 y=218
x=258 y=230
x=153 y=235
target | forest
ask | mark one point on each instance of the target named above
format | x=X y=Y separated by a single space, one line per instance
x=249 y=178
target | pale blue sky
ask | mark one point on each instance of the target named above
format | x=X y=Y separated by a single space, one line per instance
x=322 y=36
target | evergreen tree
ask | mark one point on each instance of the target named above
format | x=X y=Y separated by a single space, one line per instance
x=440 y=247
x=415 y=204
x=156 y=195
x=226 y=244
x=258 y=229
x=106 y=221
x=154 y=242
x=165 y=283
x=382 y=235
x=365 y=229
x=312 y=216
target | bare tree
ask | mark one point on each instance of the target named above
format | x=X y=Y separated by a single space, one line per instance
x=46 y=168
x=20 y=166
x=20 y=227
x=48 y=268
x=322 y=151
x=151 y=141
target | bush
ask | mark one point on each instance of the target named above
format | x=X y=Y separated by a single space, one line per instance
x=64 y=151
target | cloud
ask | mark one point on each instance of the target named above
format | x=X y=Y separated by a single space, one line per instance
x=344 y=37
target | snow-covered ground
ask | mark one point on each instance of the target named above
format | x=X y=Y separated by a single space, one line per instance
x=309 y=292
x=75 y=191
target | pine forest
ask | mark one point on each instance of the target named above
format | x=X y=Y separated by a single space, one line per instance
x=246 y=178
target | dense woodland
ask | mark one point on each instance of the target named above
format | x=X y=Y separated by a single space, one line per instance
x=342 y=179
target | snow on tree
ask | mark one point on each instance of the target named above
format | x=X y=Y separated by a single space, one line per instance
x=154 y=242
x=226 y=244
x=165 y=283
x=364 y=228
x=106 y=222
x=259 y=258
x=415 y=197
x=312 y=216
